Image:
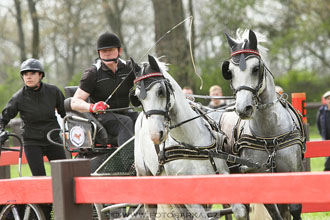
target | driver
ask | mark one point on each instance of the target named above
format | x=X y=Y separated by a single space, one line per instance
x=109 y=76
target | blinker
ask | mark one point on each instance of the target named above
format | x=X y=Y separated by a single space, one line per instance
x=226 y=73
x=143 y=92
x=242 y=63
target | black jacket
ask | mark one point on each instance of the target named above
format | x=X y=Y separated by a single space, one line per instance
x=37 y=111
x=323 y=122
x=99 y=81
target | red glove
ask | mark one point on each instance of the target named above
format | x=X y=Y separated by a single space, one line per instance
x=98 y=107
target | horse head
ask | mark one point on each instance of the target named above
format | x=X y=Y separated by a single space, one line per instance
x=246 y=71
x=156 y=95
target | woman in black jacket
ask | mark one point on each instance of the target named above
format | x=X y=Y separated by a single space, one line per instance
x=36 y=102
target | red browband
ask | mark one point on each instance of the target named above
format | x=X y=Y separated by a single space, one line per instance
x=147 y=76
x=245 y=51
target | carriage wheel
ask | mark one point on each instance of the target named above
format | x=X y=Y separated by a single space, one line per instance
x=97 y=212
x=25 y=212
x=118 y=211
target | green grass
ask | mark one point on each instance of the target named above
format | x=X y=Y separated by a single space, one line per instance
x=26 y=170
x=313 y=133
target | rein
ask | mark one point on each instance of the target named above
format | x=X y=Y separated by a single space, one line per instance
x=202 y=114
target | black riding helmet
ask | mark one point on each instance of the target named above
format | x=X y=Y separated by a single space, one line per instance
x=108 y=40
x=32 y=65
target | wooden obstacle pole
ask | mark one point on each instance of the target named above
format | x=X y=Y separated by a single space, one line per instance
x=26 y=190
x=63 y=172
x=300 y=187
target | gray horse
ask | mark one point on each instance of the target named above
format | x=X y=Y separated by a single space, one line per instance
x=265 y=128
x=164 y=149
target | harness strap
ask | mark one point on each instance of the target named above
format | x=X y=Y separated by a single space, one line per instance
x=161 y=158
x=290 y=138
x=213 y=163
x=280 y=142
x=180 y=152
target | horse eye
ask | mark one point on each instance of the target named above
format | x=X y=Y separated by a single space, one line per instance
x=255 y=70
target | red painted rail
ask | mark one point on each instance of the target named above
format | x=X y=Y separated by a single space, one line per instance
x=26 y=190
x=13 y=193
x=317 y=149
x=249 y=188
x=10 y=158
x=235 y=188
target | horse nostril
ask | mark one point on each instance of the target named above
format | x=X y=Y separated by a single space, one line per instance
x=248 y=109
x=161 y=135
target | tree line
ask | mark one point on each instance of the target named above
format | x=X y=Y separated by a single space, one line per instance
x=63 y=34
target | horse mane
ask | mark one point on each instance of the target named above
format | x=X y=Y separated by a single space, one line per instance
x=164 y=70
x=162 y=65
x=244 y=34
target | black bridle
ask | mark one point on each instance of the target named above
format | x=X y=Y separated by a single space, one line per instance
x=261 y=73
x=166 y=89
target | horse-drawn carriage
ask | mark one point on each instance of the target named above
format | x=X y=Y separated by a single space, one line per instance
x=85 y=135
x=174 y=136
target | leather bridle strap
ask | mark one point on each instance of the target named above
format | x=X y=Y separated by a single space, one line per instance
x=254 y=91
x=147 y=76
x=260 y=81
x=255 y=52
x=165 y=112
x=155 y=112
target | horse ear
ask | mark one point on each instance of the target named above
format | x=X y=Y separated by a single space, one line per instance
x=226 y=73
x=133 y=62
x=230 y=41
x=133 y=66
x=153 y=63
x=253 y=40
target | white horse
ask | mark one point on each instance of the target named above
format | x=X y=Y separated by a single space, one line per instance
x=161 y=148
x=266 y=129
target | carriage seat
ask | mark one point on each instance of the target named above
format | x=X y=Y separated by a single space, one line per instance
x=102 y=137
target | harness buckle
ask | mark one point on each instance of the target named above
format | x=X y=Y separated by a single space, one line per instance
x=231 y=158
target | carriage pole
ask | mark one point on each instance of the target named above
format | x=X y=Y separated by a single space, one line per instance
x=299 y=103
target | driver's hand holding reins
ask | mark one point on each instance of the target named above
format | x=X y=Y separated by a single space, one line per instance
x=98 y=107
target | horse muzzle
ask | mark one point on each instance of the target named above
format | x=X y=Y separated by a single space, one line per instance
x=158 y=137
x=245 y=106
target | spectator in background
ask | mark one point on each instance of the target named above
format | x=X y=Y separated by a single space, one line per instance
x=188 y=91
x=279 y=90
x=216 y=90
x=323 y=124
